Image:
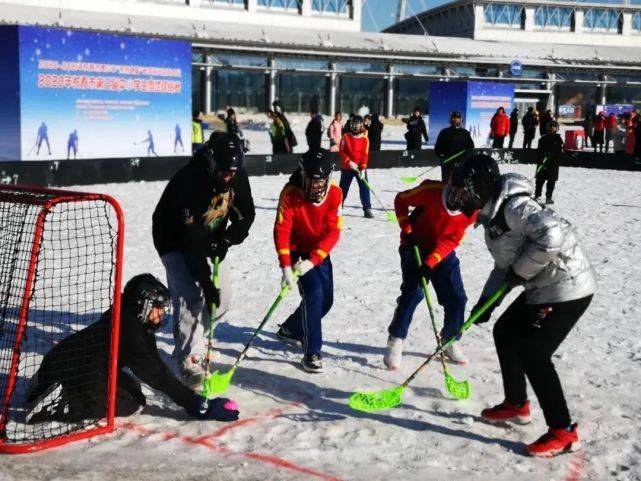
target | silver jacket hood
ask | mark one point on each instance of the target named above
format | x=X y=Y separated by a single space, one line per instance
x=537 y=243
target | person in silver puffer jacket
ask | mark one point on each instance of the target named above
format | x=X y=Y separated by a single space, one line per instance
x=535 y=248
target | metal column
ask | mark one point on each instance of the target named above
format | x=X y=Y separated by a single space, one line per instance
x=333 y=81
x=389 y=104
x=272 y=83
x=209 y=72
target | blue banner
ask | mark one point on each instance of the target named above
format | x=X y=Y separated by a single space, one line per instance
x=93 y=95
x=483 y=99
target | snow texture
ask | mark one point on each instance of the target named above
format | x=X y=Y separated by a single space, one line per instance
x=298 y=426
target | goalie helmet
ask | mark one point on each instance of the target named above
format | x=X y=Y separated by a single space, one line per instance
x=316 y=168
x=474 y=181
x=145 y=292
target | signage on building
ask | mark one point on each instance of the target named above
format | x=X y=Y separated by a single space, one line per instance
x=516 y=68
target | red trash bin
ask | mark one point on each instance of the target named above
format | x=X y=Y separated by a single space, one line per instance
x=574 y=139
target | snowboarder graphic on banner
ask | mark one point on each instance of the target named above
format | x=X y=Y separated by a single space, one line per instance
x=43 y=136
x=72 y=144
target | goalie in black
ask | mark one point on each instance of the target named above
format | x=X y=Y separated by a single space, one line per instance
x=71 y=383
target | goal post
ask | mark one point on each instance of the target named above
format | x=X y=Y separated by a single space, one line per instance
x=60 y=270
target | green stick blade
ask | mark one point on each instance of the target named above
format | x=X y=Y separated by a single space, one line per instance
x=217 y=383
x=391 y=217
x=458 y=389
x=409 y=180
x=376 y=401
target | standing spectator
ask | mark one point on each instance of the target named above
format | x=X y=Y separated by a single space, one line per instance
x=314 y=130
x=637 y=139
x=599 y=131
x=549 y=154
x=629 y=132
x=529 y=123
x=374 y=133
x=278 y=135
x=588 y=125
x=346 y=126
x=610 y=129
x=232 y=128
x=450 y=141
x=197 y=127
x=619 y=138
x=335 y=132
x=289 y=133
x=543 y=125
x=416 y=129
x=514 y=127
x=500 y=128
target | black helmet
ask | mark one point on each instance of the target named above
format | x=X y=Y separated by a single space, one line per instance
x=356 y=125
x=145 y=292
x=316 y=168
x=224 y=153
x=474 y=181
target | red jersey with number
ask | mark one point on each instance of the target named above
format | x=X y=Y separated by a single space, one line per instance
x=437 y=229
x=303 y=226
x=356 y=149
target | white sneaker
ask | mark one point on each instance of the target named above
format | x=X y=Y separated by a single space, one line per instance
x=192 y=371
x=393 y=353
x=455 y=354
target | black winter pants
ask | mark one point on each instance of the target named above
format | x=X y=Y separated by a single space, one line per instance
x=549 y=189
x=526 y=336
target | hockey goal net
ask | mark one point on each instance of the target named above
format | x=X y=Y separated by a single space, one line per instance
x=60 y=270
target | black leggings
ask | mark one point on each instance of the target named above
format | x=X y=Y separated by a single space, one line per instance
x=549 y=190
x=526 y=336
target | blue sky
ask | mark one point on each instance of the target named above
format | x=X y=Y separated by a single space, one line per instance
x=378 y=14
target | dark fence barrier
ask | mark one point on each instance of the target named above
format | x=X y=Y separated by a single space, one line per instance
x=103 y=171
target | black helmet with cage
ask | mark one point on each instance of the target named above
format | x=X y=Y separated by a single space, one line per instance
x=316 y=168
x=145 y=292
x=474 y=181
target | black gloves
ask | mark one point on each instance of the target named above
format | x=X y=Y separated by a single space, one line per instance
x=219 y=248
x=426 y=272
x=513 y=279
x=218 y=409
x=212 y=295
x=483 y=318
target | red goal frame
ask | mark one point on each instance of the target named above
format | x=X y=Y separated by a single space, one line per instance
x=46 y=200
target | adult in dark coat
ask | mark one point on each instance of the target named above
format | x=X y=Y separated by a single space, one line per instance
x=314 y=131
x=416 y=130
x=514 y=127
x=549 y=156
x=529 y=122
x=451 y=141
x=374 y=132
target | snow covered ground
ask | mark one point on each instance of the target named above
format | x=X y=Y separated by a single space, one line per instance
x=298 y=426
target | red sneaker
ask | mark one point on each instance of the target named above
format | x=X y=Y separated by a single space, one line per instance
x=555 y=441
x=507 y=411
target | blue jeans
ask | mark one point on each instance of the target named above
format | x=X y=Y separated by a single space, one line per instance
x=346 y=180
x=448 y=284
x=317 y=292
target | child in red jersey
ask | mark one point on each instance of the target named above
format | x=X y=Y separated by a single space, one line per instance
x=307 y=228
x=437 y=230
x=354 y=152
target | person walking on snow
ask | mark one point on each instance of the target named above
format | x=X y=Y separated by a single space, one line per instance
x=437 y=229
x=537 y=249
x=307 y=227
x=354 y=153
x=529 y=122
x=547 y=167
x=206 y=208
x=416 y=130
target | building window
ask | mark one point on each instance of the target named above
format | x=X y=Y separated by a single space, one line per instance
x=287 y=5
x=231 y=3
x=636 y=22
x=602 y=20
x=553 y=18
x=504 y=15
x=337 y=7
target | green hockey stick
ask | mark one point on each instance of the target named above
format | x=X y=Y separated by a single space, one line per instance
x=389 y=398
x=210 y=335
x=219 y=382
x=542 y=166
x=411 y=180
x=391 y=217
x=458 y=389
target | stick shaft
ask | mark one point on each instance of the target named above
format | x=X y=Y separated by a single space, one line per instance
x=374 y=194
x=452 y=157
x=212 y=317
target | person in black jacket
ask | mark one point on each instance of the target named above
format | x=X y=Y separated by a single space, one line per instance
x=545 y=120
x=206 y=208
x=415 y=130
x=514 y=127
x=450 y=141
x=529 y=122
x=71 y=384
x=549 y=155
x=374 y=131
x=289 y=133
x=314 y=131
